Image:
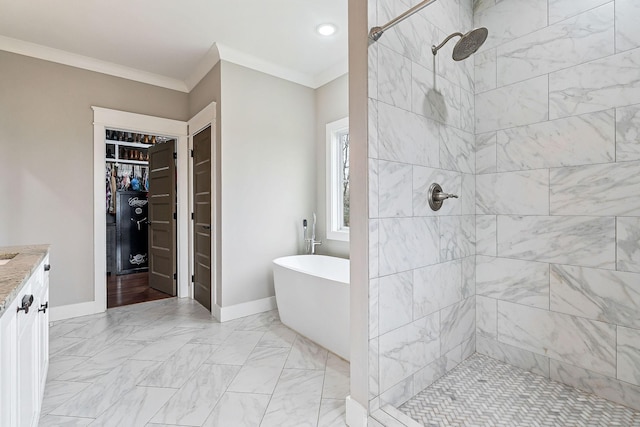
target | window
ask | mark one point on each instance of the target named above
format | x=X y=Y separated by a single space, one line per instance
x=338 y=180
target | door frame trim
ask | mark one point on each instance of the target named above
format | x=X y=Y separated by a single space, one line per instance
x=206 y=117
x=103 y=118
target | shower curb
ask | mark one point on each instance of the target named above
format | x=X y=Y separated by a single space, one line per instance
x=389 y=416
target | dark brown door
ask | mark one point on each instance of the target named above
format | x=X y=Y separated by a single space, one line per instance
x=202 y=217
x=162 y=211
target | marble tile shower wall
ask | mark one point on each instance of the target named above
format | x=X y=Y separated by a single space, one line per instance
x=557 y=122
x=422 y=263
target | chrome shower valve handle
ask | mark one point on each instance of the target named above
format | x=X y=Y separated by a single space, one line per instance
x=437 y=196
x=443 y=196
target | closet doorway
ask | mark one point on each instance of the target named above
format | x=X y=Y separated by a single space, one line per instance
x=141 y=217
x=132 y=152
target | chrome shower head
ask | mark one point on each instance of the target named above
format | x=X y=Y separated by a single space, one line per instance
x=468 y=44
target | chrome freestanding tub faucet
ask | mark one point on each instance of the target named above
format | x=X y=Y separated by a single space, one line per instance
x=310 y=243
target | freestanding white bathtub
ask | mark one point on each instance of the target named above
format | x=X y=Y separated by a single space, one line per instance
x=312 y=293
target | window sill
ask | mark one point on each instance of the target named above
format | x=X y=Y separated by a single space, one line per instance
x=342 y=236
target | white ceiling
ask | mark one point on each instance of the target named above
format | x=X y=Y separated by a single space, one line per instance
x=174 y=43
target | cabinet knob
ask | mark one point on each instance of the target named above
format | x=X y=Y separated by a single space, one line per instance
x=27 y=300
x=47 y=267
x=43 y=307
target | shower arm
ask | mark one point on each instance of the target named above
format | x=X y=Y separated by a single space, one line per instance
x=376 y=32
x=435 y=48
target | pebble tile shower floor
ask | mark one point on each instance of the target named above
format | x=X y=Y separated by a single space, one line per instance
x=485 y=392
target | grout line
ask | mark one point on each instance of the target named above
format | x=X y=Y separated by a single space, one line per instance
x=615 y=351
x=615 y=135
x=615 y=242
x=549 y=192
x=548 y=14
x=549 y=287
x=615 y=47
x=324 y=379
x=497 y=240
x=271 y=396
x=548 y=99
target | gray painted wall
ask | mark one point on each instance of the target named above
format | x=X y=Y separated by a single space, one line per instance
x=267 y=167
x=268 y=177
x=46 y=160
x=209 y=90
x=205 y=92
x=268 y=164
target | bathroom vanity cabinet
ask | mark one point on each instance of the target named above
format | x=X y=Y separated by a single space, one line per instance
x=24 y=334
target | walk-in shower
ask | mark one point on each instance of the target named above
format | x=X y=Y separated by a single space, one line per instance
x=525 y=267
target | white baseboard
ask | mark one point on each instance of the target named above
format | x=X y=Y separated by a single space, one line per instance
x=215 y=311
x=74 y=310
x=223 y=314
x=356 y=413
x=232 y=312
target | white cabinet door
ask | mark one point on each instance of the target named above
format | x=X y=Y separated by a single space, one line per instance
x=8 y=364
x=28 y=381
x=24 y=353
x=42 y=299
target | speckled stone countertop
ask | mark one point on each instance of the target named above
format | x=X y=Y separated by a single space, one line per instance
x=14 y=274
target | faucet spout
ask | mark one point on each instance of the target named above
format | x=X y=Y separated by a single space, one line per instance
x=314 y=243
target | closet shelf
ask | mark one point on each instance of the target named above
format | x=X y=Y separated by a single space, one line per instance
x=127 y=144
x=128 y=162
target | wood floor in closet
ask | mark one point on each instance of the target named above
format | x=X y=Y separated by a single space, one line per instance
x=131 y=289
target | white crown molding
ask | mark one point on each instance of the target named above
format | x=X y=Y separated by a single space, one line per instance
x=87 y=63
x=336 y=70
x=213 y=56
x=235 y=56
x=221 y=52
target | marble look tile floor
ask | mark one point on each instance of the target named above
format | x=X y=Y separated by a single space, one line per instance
x=485 y=392
x=168 y=362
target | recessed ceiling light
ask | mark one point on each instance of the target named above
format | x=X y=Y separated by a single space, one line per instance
x=326 y=29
